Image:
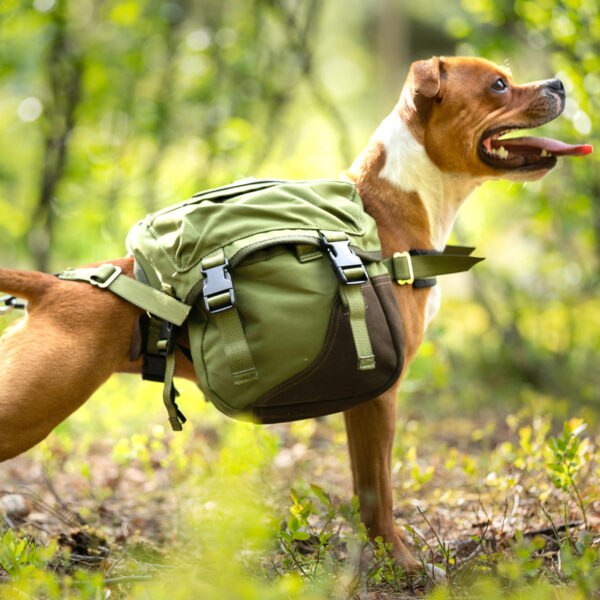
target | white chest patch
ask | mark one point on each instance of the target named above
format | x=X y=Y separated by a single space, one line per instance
x=433 y=305
x=408 y=167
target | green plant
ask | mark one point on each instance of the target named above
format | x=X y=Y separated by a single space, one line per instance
x=569 y=456
x=19 y=556
x=299 y=529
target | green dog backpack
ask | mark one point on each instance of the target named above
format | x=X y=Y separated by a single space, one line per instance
x=289 y=305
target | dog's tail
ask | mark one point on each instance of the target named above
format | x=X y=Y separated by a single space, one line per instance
x=24 y=284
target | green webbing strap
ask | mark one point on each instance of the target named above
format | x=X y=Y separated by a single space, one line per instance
x=334 y=236
x=459 y=250
x=406 y=268
x=154 y=327
x=157 y=303
x=176 y=419
x=230 y=327
x=236 y=346
x=352 y=297
x=154 y=301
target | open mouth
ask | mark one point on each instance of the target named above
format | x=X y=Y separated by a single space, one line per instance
x=524 y=153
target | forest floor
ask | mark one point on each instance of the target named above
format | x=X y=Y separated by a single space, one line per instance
x=230 y=510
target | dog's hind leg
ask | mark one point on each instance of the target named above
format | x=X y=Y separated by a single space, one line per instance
x=371 y=427
x=51 y=361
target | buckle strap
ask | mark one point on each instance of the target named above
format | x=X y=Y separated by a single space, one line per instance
x=352 y=274
x=353 y=299
x=154 y=301
x=218 y=289
x=399 y=268
x=407 y=268
x=236 y=347
x=8 y=303
x=348 y=267
x=154 y=358
x=219 y=300
x=176 y=417
x=459 y=250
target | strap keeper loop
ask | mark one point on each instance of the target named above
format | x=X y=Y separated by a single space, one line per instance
x=411 y=273
x=105 y=275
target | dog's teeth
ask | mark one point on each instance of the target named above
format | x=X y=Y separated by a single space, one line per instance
x=545 y=153
x=501 y=152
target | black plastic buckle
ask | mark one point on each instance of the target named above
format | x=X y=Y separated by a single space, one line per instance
x=8 y=303
x=343 y=257
x=217 y=281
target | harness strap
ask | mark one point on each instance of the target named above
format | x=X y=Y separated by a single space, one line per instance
x=8 y=303
x=220 y=303
x=154 y=359
x=154 y=301
x=406 y=268
x=176 y=418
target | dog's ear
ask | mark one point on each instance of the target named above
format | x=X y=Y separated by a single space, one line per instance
x=425 y=77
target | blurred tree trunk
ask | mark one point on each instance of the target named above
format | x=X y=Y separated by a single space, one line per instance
x=393 y=44
x=165 y=101
x=64 y=70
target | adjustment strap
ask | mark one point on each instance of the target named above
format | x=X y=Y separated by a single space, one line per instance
x=154 y=332
x=406 y=268
x=176 y=418
x=352 y=275
x=8 y=303
x=459 y=250
x=348 y=267
x=219 y=301
x=154 y=301
x=236 y=346
x=353 y=299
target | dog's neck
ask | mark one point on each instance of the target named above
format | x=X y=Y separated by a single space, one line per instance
x=412 y=200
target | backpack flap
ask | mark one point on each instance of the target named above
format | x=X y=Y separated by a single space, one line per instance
x=298 y=324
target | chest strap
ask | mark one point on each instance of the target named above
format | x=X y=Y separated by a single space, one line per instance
x=420 y=267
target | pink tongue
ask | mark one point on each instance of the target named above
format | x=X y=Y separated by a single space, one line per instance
x=552 y=146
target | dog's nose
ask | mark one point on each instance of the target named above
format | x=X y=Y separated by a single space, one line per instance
x=556 y=85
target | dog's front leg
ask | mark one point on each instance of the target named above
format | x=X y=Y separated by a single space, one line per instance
x=371 y=427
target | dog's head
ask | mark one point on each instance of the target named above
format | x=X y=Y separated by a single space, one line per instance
x=459 y=108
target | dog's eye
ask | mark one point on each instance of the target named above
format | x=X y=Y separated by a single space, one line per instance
x=499 y=85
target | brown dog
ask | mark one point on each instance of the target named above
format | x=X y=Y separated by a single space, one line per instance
x=439 y=143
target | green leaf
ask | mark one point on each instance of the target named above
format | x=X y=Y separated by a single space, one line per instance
x=320 y=494
x=293 y=524
x=286 y=536
x=301 y=535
